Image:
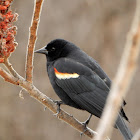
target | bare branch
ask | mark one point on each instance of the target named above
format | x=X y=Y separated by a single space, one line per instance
x=42 y=98
x=7 y=77
x=137 y=135
x=123 y=78
x=32 y=39
x=34 y=92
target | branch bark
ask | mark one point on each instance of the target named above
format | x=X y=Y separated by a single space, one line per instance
x=123 y=78
x=32 y=39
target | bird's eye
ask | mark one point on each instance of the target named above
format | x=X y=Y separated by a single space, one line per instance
x=53 y=49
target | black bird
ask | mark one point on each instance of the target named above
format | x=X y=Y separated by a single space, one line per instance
x=79 y=81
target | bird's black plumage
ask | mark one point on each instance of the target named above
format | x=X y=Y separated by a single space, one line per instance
x=79 y=81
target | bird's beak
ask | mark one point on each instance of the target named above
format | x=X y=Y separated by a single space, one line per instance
x=42 y=50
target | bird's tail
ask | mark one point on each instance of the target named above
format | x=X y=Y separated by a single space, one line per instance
x=121 y=125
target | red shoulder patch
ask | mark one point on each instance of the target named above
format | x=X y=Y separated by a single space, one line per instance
x=61 y=75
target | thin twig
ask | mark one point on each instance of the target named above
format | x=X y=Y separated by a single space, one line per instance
x=42 y=98
x=10 y=68
x=21 y=93
x=123 y=78
x=7 y=77
x=32 y=39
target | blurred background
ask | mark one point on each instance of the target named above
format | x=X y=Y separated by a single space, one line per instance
x=99 y=28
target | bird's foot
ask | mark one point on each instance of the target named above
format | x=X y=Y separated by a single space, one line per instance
x=85 y=125
x=58 y=103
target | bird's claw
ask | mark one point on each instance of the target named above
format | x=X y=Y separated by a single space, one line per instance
x=85 y=128
x=58 y=103
x=85 y=125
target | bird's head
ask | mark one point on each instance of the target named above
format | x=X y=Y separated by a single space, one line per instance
x=56 y=49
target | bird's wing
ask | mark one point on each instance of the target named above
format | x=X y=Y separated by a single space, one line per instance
x=99 y=71
x=92 y=64
x=81 y=84
x=83 y=58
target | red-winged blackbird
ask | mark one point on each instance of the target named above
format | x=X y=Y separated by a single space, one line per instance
x=79 y=80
